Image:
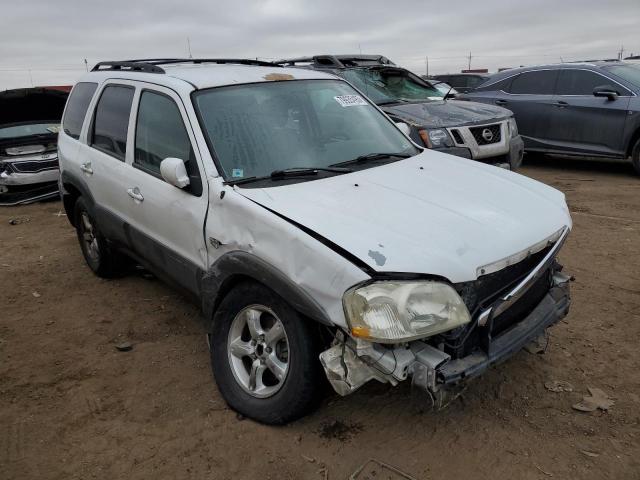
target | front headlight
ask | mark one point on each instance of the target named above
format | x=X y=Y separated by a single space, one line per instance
x=436 y=138
x=397 y=311
x=513 y=127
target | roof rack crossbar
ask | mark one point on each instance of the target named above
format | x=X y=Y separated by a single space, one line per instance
x=338 y=61
x=152 y=65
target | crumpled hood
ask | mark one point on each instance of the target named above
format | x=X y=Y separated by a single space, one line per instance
x=433 y=213
x=450 y=113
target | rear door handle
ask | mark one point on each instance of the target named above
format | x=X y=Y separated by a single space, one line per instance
x=501 y=102
x=86 y=168
x=561 y=104
x=135 y=194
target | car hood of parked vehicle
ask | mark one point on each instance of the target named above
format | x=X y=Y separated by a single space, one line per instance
x=446 y=113
x=431 y=214
x=28 y=105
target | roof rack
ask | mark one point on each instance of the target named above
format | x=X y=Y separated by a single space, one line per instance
x=338 y=61
x=151 y=65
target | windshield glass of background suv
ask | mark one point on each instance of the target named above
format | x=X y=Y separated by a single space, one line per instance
x=258 y=128
x=383 y=86
x=630 y=73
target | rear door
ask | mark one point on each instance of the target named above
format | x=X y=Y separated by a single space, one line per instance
x=530 y=98
x=166 y=222
x=584 y=123
x=103 y=157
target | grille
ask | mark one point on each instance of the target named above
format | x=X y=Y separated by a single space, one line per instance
x=487 y=288
x=34 y=167
x=457 y=137
x=523 y=307
x=487 y=134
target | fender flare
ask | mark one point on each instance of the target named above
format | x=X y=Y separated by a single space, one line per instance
x=68 y=179
x=238 y=265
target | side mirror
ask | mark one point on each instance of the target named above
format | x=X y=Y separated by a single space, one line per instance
x=404 y=128
x=174 y=172
x=605 y=91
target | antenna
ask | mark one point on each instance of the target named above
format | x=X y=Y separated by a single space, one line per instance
x=469 y=61
x=189 y=47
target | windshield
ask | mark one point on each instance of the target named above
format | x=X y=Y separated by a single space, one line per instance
x=391 y=85
x=255 y=129
x=630 y=73
x=26 y=130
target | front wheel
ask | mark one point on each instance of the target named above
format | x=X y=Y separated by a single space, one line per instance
x=264 y=356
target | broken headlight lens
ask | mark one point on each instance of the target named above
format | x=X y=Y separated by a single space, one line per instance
x=395 y=311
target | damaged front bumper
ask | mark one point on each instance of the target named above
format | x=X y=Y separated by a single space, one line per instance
x=28 y=180
x=350 y=363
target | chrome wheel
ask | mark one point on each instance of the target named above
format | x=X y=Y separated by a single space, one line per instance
x=90 y=238
x=258 y=351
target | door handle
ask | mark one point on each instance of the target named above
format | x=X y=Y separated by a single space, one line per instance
x=501 y=102
x=86 y=168
x=135 y=194
x=561 y=104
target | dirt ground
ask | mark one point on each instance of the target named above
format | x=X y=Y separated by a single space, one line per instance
x=74 y=407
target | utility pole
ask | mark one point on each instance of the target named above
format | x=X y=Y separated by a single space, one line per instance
x=189 y=47
x=620 y=52
x=427 y=63
x=86 y=65
x=469 y=68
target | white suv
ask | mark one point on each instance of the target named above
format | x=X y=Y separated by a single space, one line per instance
x=319 y=240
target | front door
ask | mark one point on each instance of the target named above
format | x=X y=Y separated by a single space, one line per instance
x=584 y=123
x=166 y=222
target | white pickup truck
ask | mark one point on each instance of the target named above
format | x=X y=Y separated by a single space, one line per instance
x=317 y=237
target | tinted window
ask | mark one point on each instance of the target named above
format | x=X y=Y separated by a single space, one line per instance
x=77 y=108
x=504 y=85
x=630 y=73
x=539 y=82
x=160 y=132
x=579 y=82
x=111 y=121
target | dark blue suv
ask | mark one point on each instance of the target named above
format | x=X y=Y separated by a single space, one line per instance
x=586 y=109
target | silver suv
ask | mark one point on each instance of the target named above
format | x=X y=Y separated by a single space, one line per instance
x=319 y=240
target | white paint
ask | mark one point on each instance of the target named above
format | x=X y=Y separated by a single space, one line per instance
x=433 y=213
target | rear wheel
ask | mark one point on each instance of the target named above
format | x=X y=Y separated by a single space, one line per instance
x=102 y=260
x=264 y=356
x=635 y=156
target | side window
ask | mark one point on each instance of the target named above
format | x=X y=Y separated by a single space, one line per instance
x=160 y=134
x=537 y=82
x=77 y=106
x=504 y=85
x=111 y=120
x=579 y=82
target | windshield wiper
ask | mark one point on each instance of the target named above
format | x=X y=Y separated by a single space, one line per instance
x=289 y=172
x=372 y=156
x=303 y=171
x=390 y=102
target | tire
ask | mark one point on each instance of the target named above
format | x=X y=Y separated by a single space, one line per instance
x=635 y=156
x=102 y=260
x=268 y=399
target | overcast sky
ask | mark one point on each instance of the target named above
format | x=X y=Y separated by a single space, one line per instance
x=46 y=42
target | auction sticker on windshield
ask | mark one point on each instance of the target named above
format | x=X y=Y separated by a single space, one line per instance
x=350 y=100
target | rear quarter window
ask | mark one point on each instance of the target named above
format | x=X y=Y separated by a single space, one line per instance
x=77 y=106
